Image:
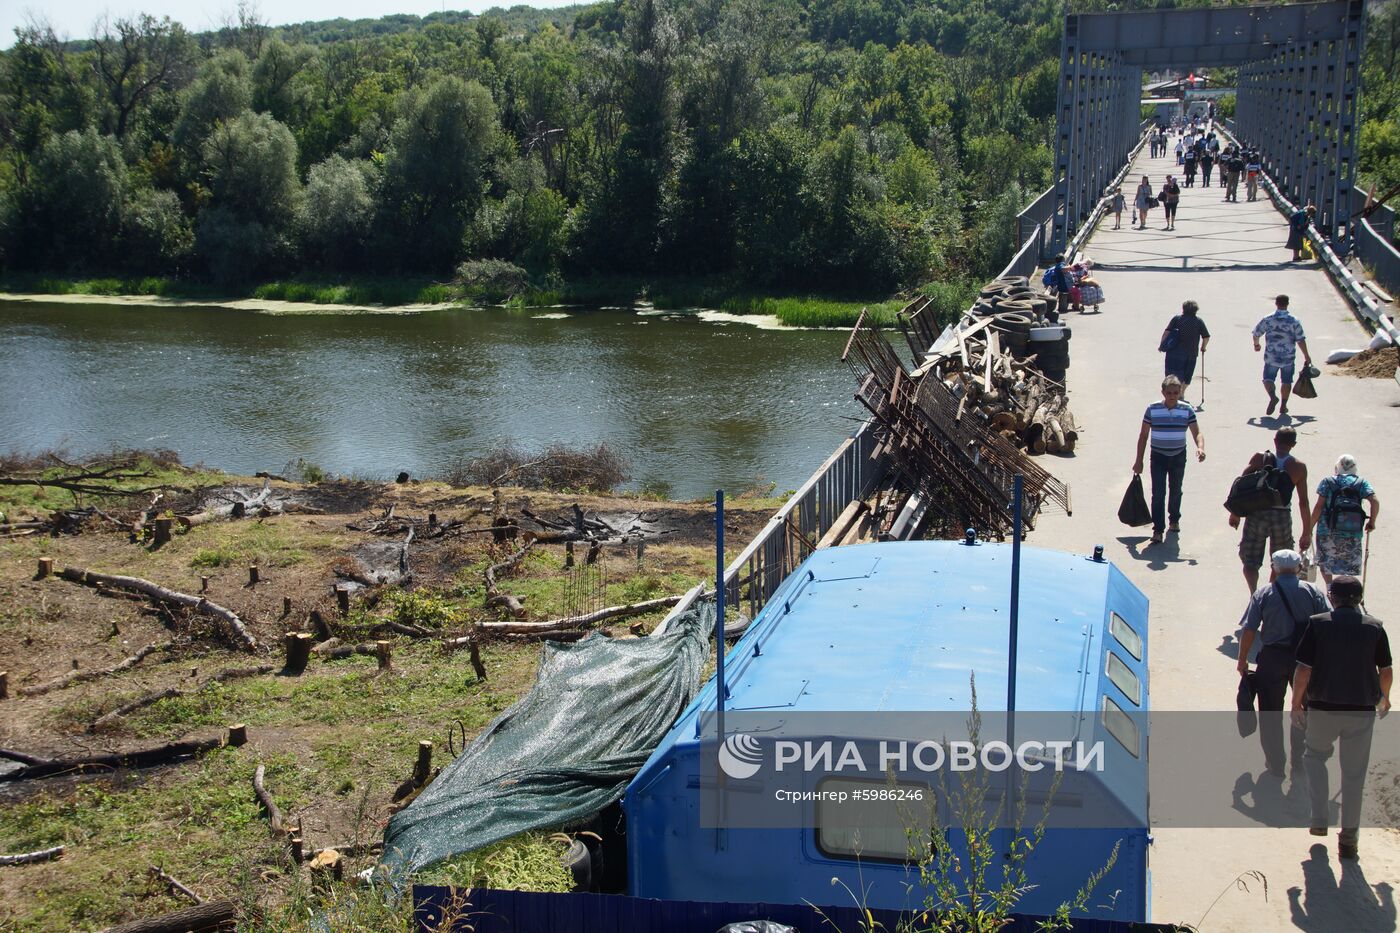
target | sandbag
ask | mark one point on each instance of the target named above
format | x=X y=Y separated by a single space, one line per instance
x=1133 y=511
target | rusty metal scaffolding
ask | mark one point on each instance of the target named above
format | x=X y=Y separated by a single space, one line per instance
x=964 y=469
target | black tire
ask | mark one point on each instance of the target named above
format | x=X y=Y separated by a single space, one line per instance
x=983 y=309
x=1013 y=280
x=580 y=865
x=1013 y=322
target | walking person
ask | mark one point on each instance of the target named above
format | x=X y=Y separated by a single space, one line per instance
x=1234 y=168
x=1143 y=202
x=1180 y=148
x=1281 y=332
x=1277 y=616
x=1253 y=168
x=1340 y=688
x=1166 y=423
x=1171 y=194
x=1184 y=339
x=1207 y=161
x=1189 y=166
x=1289 y=477
x=1116 y=204
x=1153 y=140
x=1298 y=225
x=1340 y=519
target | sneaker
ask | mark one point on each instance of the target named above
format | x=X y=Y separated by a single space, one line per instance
x=1347 y=850
x=1174 y=528
x=1317 y=830
x=1283 y=411
x=1156 y=537
x=1273 y=403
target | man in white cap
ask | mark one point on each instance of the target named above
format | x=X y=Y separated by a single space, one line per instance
x=1277 y=615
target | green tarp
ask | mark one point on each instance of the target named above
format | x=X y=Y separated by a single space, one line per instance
x=566 y=750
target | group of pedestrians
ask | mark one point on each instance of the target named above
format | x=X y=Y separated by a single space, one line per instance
x=1319 y=644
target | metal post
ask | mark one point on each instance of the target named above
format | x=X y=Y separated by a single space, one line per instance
x=720 y=690
x=1016 y=494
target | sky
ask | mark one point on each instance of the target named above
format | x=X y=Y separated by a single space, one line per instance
x=73 y=19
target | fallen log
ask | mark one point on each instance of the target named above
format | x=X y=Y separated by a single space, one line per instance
x=173 y=884
x=150 y=699
x=78 y=677
x=210 y=915
x=161 y=594
x=29 y=858
x=126 y=709
x=573 y=622
x=232 y=510
x=141 y=758
x=274 y=815
x=23 y=757
x=494 y=597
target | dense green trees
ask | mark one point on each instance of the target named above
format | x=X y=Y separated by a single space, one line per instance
x=849 y=145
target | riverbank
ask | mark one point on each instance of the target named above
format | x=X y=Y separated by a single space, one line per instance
x=335 y=740
x=409 y=296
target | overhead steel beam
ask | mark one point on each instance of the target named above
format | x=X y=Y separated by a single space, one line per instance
x=1231 y=34
x=1297 y=99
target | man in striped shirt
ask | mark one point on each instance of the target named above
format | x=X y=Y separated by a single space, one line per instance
x=1166 y=423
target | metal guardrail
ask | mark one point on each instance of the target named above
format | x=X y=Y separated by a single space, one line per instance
x=1376 y=251
x=794 y=530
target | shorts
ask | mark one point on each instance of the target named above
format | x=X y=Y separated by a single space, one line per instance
x=1272 y=525
x=1271 y=371
x=1339 y=555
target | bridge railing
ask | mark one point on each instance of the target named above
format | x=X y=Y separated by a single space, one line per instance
x=848 y=475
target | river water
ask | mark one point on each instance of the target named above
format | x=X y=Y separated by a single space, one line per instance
x=693 y=405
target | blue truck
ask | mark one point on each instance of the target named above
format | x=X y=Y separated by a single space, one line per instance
x=902 y=628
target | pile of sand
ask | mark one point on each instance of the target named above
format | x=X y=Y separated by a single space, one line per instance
x=1373 y=364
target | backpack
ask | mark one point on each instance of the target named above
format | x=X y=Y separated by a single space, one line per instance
x=1345 y=513
x=1257 y=490
x=1049 y=279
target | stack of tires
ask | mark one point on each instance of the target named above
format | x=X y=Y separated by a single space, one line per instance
x=1019 y=314
x=1050 y=345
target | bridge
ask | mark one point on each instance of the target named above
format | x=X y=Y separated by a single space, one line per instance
x=1298 y=98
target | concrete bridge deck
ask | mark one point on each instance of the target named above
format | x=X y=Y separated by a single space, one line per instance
x=1230 y=258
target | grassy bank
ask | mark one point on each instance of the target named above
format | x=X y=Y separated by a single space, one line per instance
x=665 y=293
x=335 y=741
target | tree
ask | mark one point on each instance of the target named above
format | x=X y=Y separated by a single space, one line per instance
x=134 y=58
x=156 y=236
x=439 y=151
x=251 y=164
x=220 y=92
x=70 y=213
x=336 y=213
x=276 y=69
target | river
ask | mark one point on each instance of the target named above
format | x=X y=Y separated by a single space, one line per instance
x=691 y=404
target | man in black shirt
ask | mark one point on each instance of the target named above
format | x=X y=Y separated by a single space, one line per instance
x=1343 y=679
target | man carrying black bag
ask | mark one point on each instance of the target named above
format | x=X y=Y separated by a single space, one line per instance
x=1166 y=424
x=1278 y=614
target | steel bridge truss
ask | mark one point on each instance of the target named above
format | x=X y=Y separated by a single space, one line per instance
x=1300 y=80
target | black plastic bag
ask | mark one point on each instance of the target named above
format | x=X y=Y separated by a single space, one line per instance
x=1134 y=510
x=1246 y=719
x=1303 y=387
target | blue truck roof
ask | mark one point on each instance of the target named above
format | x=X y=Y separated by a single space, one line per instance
x=899 y=626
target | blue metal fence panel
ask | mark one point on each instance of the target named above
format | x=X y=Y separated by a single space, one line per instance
x=490 y=911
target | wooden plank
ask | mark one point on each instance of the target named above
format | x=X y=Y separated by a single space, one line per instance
x=1379 y=292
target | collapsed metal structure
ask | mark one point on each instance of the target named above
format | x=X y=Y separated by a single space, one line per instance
x=1299 y=84
x=962 y=470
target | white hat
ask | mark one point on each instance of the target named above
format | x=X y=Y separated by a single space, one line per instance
x=1285 y=559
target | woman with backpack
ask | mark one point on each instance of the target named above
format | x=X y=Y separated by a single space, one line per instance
x=1340 y=520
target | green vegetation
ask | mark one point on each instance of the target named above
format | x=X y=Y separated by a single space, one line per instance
x=824 y=153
